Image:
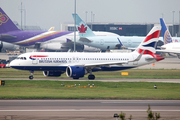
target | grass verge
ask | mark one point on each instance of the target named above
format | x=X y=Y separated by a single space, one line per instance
x=133 y=74
x=19 y=89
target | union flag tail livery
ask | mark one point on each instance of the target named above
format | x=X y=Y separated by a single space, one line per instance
x=6 y=24
x=149 y=43
x=166 y=35
x=82 y=27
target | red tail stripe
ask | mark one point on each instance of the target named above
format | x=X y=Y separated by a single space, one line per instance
x=146 y=52
x=153 y=35
x=39 y=56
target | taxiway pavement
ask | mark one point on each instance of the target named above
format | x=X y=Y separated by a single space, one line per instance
x=87 y=109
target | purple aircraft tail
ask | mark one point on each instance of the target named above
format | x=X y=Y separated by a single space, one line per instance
x=6 y=25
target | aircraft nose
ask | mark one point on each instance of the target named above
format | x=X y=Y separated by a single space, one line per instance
x=12 y=63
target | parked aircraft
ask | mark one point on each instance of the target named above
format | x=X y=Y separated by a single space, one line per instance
x=169 y=46
x=77 y=64
x=51 y=40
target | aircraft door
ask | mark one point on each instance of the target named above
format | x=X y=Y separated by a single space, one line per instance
x=77 y=59
x=129 y=42
x=34 y=59
x=134 y=57
x=73 y=59
x=101 y=41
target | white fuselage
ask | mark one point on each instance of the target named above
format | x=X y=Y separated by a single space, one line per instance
x=42 y=61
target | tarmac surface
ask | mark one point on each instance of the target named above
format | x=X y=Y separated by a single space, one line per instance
x=93 y=109
x=86 y=109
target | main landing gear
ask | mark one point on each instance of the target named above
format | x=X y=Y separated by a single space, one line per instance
x=31 y=76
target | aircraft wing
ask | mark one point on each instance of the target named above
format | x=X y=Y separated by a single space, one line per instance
x=83 y=39
x=168 y=51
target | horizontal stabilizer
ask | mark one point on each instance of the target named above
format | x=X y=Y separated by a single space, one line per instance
x=149 y=59
x=83 y=39
x=139 y=57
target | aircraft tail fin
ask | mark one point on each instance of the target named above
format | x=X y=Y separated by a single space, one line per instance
x=166 y=35
x=149 y=43
x=6 y=24
x=82 y=27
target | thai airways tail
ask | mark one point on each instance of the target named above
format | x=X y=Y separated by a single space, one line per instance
x=149 y=43
x=166 y=35
x=6 y=24
x=82 y=27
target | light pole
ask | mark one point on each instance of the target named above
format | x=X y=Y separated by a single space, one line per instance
x=86 y=16
x=21 y=15
x=173 y=24
x=24 y=16
x=74 y=25
x=91 y=19
x=179 y=23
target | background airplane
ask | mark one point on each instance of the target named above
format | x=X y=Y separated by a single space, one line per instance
x=87 y=37
x=51 y=40
x=77 y=64
x=169 y=46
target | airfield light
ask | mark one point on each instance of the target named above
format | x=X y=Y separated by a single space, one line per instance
x=155 y=87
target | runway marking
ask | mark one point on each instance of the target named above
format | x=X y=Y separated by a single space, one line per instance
x=88 y=110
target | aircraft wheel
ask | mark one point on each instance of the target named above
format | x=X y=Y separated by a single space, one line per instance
x=91 y=77
x=75 y=78
x=30 y=77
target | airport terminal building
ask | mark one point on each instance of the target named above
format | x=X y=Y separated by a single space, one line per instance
x=123 y=29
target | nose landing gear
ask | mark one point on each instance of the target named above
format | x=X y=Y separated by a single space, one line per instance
x=31 y=76
x=91 y=77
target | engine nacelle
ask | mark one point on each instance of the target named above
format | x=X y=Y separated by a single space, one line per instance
x=75 y=71
x=1 y=45
x=51 y=46
x=118 y=46
x=52 y=73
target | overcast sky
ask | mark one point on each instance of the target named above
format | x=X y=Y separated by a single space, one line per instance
x=48 y=13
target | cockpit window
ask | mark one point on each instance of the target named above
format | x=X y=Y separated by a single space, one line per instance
x=21 y=58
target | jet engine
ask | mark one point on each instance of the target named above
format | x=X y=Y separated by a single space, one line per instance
x=1 y=45
x=75 y=71
x=52 y=73
x=118 y=46
x=52 y=46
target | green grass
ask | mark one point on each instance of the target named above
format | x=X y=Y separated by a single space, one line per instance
x=133 y=74
x=23 y=89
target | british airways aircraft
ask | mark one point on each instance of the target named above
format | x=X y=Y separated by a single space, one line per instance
x=169 y=46
x=76 y=64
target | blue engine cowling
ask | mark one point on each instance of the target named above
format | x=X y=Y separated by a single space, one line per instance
x=52 y=73
x=75 y=71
